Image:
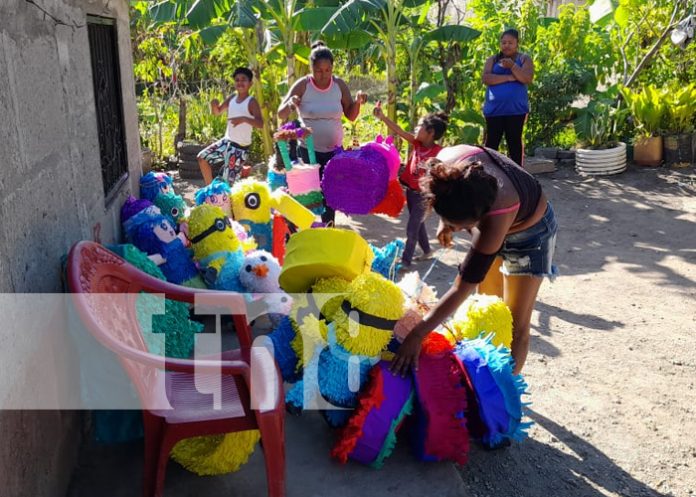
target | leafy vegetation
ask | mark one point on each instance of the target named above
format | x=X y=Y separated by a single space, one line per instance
x=416 y=56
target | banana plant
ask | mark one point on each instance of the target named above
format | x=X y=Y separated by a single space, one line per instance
x=357 y=23
x=289 y=21
x=293 y=22
x=444 y=36
x=258 y=23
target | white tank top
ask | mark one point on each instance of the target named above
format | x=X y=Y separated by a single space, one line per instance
x=241 y=133
x=322 y=111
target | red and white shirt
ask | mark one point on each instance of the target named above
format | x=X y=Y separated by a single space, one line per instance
x=415 y=169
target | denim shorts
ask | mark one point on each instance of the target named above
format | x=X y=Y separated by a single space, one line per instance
x=530 y=252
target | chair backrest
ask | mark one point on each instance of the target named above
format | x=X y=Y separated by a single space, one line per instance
x=103 y=285
x=105 y=289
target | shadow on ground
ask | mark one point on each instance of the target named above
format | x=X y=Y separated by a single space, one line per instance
x=568 y=467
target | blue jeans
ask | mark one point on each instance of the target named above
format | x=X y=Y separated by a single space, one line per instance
x=530 y=252
x=415 y=229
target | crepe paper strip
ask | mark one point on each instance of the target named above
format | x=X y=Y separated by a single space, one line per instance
x=309 y=142
x=285 y=154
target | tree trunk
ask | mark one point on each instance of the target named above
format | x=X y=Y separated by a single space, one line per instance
x=413 y=111
x=413 y=107
x=290 y=57
x=181 y=129
x=392 y=84
x=250 y=42
x=448 y=58
x=661 y=40
x=300 y=68
x=160 y=143
x=390 y=61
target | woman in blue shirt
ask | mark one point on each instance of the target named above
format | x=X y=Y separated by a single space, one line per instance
x=507 y=75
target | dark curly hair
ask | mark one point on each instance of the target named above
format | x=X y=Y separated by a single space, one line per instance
x=459 y=192
x=436 y=121
x=246 y=72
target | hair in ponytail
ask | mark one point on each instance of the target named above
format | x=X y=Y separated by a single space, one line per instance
x=320 y=52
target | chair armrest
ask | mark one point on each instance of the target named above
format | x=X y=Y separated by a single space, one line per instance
x=191 y=366
x=143 y=282
x=231 y=368
x=266 y=381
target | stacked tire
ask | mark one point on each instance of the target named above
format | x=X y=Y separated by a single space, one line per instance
x=188 y=162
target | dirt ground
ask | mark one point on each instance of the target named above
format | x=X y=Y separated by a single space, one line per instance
x=612 y=367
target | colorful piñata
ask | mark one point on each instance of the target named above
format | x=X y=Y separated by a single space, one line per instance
x=370 y=435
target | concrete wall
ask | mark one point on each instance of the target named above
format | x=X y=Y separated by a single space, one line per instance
x=51 y=196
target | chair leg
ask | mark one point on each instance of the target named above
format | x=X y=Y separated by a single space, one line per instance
x=153 y=431
x=271 y=426
x=168 y=442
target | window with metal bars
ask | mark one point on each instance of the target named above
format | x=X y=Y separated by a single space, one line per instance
x=106 y=77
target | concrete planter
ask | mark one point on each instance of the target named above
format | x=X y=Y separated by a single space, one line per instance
x=601 y=162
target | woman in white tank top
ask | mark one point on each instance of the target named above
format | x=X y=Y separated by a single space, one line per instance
x=243 y=114
x=321 y=100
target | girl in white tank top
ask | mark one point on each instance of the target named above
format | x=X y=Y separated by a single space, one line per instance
x=241 y=133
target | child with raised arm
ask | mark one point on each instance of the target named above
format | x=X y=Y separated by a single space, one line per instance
x=429 y=129
x=243 y=114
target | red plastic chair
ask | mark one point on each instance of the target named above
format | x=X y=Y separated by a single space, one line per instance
x=173 y=408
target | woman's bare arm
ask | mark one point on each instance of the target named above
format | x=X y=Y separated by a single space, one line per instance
x=524 y=74
x=490 y=79
x=292 y=99
x=351 y=108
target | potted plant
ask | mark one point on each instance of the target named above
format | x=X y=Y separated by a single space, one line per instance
x=679 y=125
x=599 y=151
x=648 y=108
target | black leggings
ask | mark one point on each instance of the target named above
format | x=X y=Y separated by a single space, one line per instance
x=512 y=127
x=329 y=215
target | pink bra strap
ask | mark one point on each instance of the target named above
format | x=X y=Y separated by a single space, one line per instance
x=504 y=210
x=470 y=153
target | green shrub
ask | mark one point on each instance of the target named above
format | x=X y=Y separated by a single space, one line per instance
x=157 y=121
x=565 y=138
x=201 y=125
x=550 y=100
